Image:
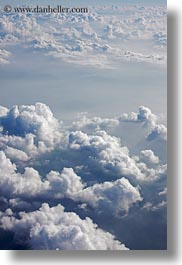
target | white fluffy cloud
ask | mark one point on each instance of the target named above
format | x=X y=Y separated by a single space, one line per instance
x=150 y=120
x=66 y=184
x=3 y=111
x=93 y=124
x=144 y=115
x=148 y=157
x=113 y=197
x=53 y=228
x=32 y=128
x=83 y=164
x=91 y=39
x=29 y=131
x=36 y=119
x=15 y=154
x=158 y=132
x=153 y=128
x=107 y=152
x=13 y=184
x=32 y=184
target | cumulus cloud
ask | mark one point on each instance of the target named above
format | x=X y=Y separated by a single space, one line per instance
x=28 y=131
x=113 y=197
x=53 y=228
x=66 y=184
x=152 y=174
x=163 y=192
x=13 y=183
x=15 y=154
x=31 y=183
x=93 y=124
x=36 y=119
x=105 y=151
x=159 y=131
x=148 y=157
x=3 y=111
x=91 y=35
x=83 y=165
x=144 y=115
x=33 y=126
x=150 y=120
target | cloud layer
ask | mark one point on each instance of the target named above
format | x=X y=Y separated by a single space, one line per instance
x=83 y=166
x=90 y=39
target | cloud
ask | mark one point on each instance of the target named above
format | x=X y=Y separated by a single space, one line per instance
x=67 y=184
x=3 y=111
x=95 y=167
x=4 y=56
x=83 y=166
x=159 y=206
x=29 y=131
x=15 y=154
x=34 y=124
x=148 y=157
x=139 y=57
x=93 y=124
x=32 y=184
x=53 y=228
x=150 y=120
x=152 y=174
x=160 y=38
x=105 y=151
x=13 y=184
x=152 y=128
x=163 y=192
x=113 y=197
x=144 y=115
x=94 y=35
x=159 y=131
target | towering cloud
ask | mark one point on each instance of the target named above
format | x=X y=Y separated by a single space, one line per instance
x=150 y=120
x=111 y=197
x=84 y=167
x=53 y=228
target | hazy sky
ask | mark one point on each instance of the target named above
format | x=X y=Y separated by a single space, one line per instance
x=70 y=88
